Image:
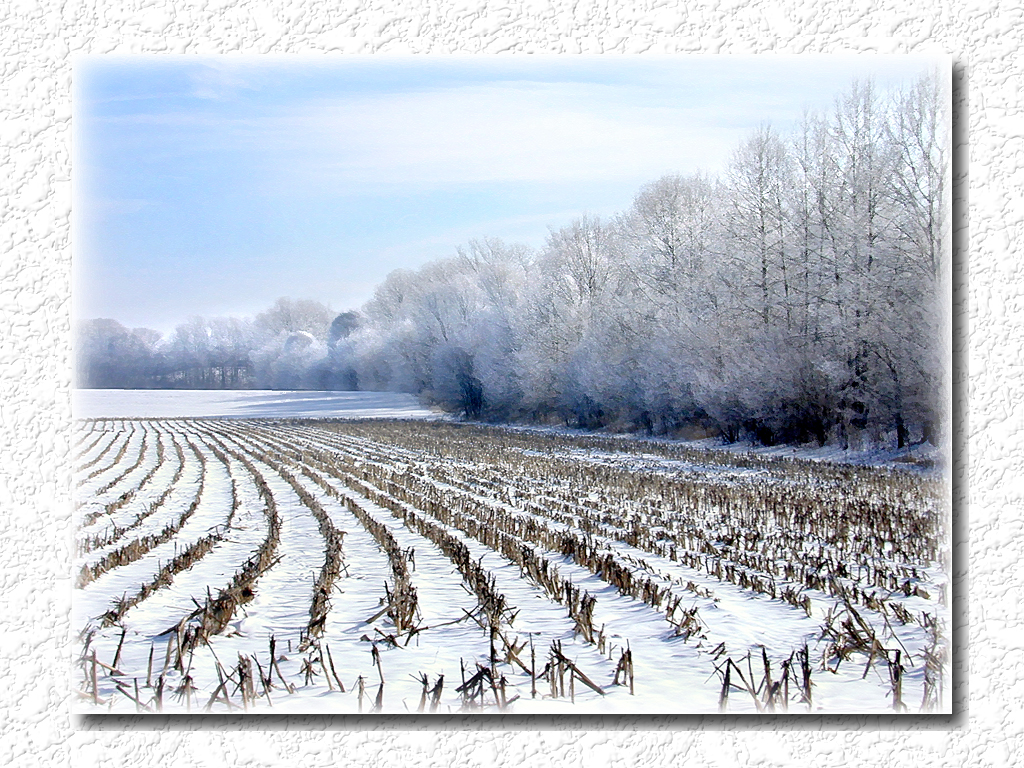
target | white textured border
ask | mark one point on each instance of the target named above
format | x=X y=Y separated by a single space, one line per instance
x=40 y=36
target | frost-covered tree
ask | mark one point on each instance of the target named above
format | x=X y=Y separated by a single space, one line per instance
x=290 y=361
x=112 y=356
x=287 y=316
x=757 y=227
x=231 y=342
x=190 y=355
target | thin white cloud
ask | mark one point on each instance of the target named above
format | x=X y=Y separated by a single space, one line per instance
x=220 y=79
x=527 y=133
x=115 y=206
x=503 y=132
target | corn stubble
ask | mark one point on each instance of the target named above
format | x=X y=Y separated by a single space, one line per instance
x=849 y=545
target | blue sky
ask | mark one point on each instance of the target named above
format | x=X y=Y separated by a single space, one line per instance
x=212 y=186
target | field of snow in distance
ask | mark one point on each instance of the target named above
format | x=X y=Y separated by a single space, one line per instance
x=244 y=404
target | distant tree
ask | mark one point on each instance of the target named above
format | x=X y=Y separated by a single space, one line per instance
x=110 y=356
x=231 y=343
x=290 y=315
x=343 y=326
x=190 y=355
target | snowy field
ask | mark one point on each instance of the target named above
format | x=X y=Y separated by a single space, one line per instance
x=395 y=566
x=250 y=404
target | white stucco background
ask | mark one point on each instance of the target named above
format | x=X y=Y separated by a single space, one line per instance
x=39 y=37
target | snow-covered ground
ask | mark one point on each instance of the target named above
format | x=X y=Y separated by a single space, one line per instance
x=216 y=492
x=246 y=404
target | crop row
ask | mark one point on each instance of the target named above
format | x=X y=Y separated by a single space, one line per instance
x=659 y=531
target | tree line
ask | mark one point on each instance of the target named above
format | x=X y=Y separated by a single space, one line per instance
x=795 y=297
x=290 y=345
